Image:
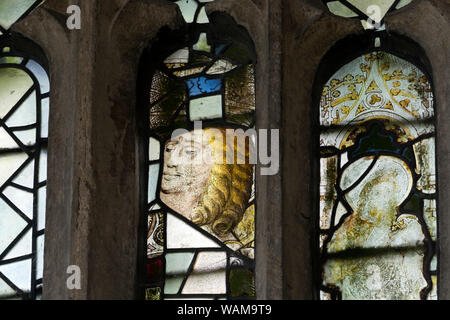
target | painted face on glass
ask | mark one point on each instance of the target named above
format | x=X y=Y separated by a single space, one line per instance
x=187 y=164
x=198 y=184
x=375 y=223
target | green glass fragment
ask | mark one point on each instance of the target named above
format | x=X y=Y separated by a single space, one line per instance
x=153 y=293
x=242 y=283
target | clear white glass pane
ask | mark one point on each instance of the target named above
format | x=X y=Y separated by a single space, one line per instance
x=182 y=235
x=155 y=206
x=341 y=10
x=188 y=9
x=340 y=212
x=23 y=247
x=11 y=224
x=177 y=265
x=153 y=149
x=9 y=164
x=26 y=176
x=403 y=3
x=202 y=17
x=208 y=275
x=21 y=199
x=205 y=108
x=173 y=284
x=344 y=159
x=40 y=256
x=433 y=266
x=14 y=84
x=6 y=291
x=6 y=141
x=376 y=10
x=40 y=74
x=43 y=165
x=25 y=114
x=42 y=202
x=44 y=117
x=27 y=137
x=19 y=273
x=153 y=173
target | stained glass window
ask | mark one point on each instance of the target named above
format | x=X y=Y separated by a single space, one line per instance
x=378 y=218
x=200 y=210
x=24 y=111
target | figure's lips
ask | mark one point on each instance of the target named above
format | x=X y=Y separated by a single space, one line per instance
x=170 y=176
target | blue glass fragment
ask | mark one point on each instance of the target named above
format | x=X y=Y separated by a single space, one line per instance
x=202 y=85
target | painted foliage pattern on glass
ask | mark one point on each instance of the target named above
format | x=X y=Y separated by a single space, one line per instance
x=24 y=110
x=378 y=217
x=201 y=215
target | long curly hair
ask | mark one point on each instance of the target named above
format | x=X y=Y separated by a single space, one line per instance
x=226 y=195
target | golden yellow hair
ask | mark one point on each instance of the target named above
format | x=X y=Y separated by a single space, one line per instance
x=225 y=197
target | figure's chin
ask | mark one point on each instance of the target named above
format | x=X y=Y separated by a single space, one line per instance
x=168 y=197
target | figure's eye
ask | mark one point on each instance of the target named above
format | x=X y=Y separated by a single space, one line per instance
x=170 y=147
x=190 y=151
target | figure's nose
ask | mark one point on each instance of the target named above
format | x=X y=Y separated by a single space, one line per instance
x=170 y=163
x=172 y=160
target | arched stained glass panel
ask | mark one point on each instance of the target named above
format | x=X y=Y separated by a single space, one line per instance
x=24 y=110
x=200 y=213
x=378 y=219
